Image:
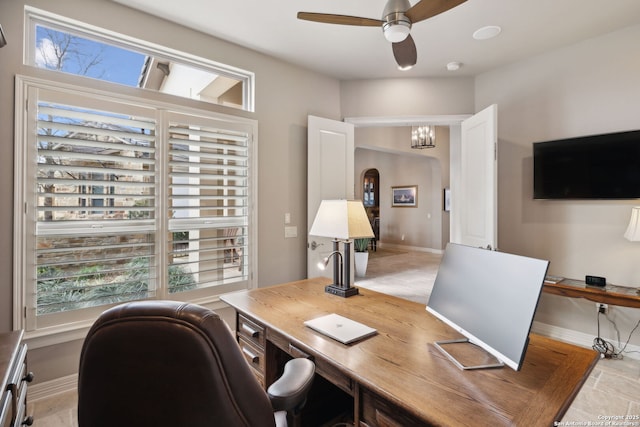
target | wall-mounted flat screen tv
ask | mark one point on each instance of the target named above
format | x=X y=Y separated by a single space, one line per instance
x=490 y=298
x=590 y=167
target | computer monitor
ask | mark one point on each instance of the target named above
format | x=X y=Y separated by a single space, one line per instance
x=490 y=297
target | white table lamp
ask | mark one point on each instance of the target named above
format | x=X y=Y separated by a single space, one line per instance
x=341 y=220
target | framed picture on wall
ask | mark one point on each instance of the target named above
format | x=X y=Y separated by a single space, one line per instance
x=406 y=196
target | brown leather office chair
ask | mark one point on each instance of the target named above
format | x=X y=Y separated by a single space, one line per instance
x=166 y=363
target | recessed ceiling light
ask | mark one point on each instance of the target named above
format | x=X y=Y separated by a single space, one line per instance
x=488 y=32
x=454 y=66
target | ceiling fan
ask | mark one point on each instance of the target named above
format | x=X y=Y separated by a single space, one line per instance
x=397 y=18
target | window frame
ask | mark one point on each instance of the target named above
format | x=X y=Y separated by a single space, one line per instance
x=65 y=326
x=35 y=16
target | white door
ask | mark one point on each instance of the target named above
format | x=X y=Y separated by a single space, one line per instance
x=474 y=208
x=330 y=175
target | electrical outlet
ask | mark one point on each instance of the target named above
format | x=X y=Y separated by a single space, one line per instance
x=602 y=308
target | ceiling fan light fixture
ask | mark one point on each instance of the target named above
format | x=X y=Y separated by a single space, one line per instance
x=405 y=67
x=396 y=28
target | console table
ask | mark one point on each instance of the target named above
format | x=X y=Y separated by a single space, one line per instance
x=397 y=377
x=14 y=375
x=610 y=294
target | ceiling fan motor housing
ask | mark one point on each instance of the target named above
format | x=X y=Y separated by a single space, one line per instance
x=396 y=24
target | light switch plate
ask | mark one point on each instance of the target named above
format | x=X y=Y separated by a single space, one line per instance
x=291 y=231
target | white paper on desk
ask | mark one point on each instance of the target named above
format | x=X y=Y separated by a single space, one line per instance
x=340 y=328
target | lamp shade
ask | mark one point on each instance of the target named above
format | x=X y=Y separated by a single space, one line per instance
x=633 y=230
x=341 y=219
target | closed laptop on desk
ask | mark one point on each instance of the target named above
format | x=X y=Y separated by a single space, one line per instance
x=340 y=328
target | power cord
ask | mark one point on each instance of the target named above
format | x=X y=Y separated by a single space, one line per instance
x=605 y=348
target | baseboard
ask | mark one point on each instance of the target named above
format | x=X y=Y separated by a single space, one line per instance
x=51 y=388
x=579 y=338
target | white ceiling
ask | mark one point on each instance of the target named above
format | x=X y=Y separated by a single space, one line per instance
x=529 y=27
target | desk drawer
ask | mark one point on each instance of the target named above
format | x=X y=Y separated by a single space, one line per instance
x=378 y=412
x=333 y=375
x=251 y=331
x=253 y=354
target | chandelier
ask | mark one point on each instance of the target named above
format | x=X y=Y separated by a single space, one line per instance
x=423 y=137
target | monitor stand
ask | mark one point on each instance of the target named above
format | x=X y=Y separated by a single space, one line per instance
x=467 y=356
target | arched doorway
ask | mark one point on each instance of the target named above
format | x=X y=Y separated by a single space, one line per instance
x=371 y=201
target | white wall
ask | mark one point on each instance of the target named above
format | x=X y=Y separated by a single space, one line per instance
x=399 y=97
x=588 y=88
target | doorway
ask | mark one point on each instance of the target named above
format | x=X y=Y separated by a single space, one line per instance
x=371 y=202
x=423 y=226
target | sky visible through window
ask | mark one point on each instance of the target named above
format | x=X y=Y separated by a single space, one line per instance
x=114 y=60
x=72 y=54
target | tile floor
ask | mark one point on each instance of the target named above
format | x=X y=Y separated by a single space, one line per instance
x=612 y=389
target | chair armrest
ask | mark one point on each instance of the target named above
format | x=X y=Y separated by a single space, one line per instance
x=289 y=392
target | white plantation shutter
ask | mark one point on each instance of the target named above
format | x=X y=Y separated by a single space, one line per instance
x=208 y=173
x=125 y=200
x=95 y=198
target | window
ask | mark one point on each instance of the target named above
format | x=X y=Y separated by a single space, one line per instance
x=119 y=199
x=64 y=45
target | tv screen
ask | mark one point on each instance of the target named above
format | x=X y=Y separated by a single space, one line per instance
x=590 y=167
x=489 y=297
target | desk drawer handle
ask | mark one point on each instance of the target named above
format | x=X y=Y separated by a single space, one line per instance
x=251 y=355
x=252 y=332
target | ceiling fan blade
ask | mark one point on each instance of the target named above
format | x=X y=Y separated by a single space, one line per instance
x=425 y=9
x=328 y=18
x=405 y=52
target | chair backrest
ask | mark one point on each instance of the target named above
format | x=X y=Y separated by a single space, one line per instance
x=166 y=363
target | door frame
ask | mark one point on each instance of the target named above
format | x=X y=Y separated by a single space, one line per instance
x=453 y=121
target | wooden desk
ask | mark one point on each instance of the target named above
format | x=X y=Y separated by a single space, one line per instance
x=611 y=294
x=398 y=377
